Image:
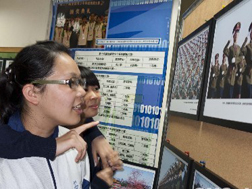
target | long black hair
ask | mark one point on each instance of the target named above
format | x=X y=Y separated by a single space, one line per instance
x=31 y=63
x=91 y=78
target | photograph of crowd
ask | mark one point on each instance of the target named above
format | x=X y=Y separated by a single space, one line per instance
x=133 y=177
x=189 y=67
x=231 y=67
x=173 y=172
x=202 y=182
x=80 y=24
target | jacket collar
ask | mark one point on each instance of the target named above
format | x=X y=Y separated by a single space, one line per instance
x=16 y=124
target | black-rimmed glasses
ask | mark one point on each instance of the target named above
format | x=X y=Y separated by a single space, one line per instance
x=73 y=82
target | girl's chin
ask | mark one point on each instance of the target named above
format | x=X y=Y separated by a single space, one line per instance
x=88 y=115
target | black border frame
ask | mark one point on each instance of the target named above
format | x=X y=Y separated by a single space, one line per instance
x=3 y=65
x=210 y=175
x=221 y=122
x=210 y=23
x=181 y=155
x=145 y=167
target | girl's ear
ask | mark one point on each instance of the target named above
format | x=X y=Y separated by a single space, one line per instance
x=31 y=94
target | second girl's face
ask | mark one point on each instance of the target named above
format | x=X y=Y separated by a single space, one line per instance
x=60 y=104
x=92 y=100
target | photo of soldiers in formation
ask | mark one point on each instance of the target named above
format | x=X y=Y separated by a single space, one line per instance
x=202 y=182
x=232 y=78
x=189 y=67
x=174 y=177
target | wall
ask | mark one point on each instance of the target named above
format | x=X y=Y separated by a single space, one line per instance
x=24 y=22
x=11 y=55
x=202 y=13
x=227 y=152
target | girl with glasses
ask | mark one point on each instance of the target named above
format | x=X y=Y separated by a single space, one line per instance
x=41 y=90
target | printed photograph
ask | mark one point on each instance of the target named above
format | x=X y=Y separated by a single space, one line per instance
x=189 y=67
x=133 y=177
x=201 y=182
x=80 y=24
x=230 y=74
x=229 y=85
x=173 y=171
x=188 y=75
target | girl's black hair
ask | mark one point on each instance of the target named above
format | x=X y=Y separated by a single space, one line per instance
x=31 y=63
x=91 y=79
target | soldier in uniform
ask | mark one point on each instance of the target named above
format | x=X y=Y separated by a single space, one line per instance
x=231 y=80
x=215 y=71
x=239 y=77
x=249 y=82
x=223 y=74
x=247 y=52
x=233 y=52
x=247 y=49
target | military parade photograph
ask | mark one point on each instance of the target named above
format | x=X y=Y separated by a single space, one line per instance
x=173 y=172
x=189 y=72
x=228 y=93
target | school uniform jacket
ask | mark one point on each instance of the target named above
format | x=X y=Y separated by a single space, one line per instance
x=39 y=172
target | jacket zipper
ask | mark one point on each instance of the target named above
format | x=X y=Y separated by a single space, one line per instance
x=51 y=170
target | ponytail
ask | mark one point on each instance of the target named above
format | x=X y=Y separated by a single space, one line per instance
x=10 y=94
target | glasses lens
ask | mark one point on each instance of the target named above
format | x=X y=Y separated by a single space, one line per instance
x=75 y=82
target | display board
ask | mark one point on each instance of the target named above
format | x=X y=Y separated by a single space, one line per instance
x=127 y=50
x=189 y=73
x=227 y=96
x=204 y=178
x=175 y=168
x=134 y=176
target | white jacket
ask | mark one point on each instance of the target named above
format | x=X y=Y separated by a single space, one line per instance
x=41 y=173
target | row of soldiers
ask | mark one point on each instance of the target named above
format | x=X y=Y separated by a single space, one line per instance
x=235 y=79
x=189 y=68
x=174 y=177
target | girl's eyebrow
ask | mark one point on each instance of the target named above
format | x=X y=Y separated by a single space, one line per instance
x=75 y=75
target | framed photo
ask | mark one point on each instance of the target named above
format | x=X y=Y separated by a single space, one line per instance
x=227 y=97
x=79 y=24
x=204 y=178
x=1 y=65
x=134 y=176
x=189 y=73
x=174 y=168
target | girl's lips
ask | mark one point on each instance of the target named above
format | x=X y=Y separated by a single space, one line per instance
x=78 y=108
x=79 y=111
x=94 y=106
